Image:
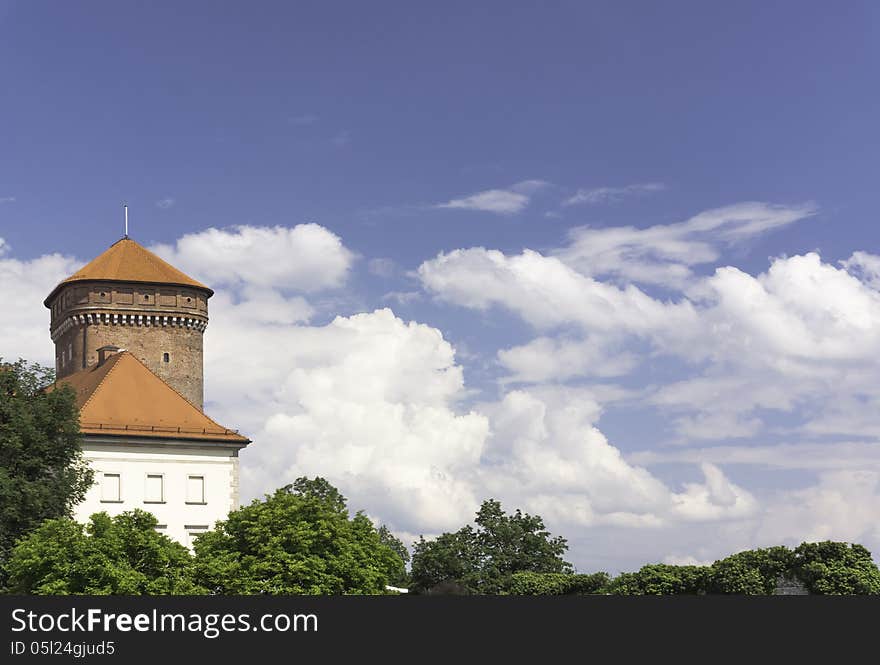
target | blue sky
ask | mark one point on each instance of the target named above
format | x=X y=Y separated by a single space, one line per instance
x=495 y=130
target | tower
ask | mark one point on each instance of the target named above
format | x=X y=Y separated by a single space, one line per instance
x=131 y=299
x=128 y=329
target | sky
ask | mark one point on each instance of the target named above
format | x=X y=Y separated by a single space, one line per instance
x=612 y=263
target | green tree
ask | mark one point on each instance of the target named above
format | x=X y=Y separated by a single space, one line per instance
x=752 y=572
x=527 y=583
x=109 y=556
x=484 y=559
x=397 y=546
x=42 y=472
x=661 y=579
x=299 y=540
x=836 y=568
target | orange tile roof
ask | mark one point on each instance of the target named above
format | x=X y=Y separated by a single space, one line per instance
x=128 y=261
x=123 y=397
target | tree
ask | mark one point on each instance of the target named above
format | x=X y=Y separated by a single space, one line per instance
x=397 y=546
x=527 y=583
x=752 y=572
x=484 y=559
x=661 y=579
x=42 y=471
x=836 y=568
x=299 y=540
x=119 y=555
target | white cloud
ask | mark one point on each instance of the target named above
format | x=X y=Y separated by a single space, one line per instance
x=775 y=341
x=508 y=201
x=545 y=453
x=402 y=297
x=604 y=195
x=546 y=292
x=547 y=359
x=664 y=254
x=7 y=199
x=866 y=266
x=28 y=282
x=843 y=506
x=306 y=257
x=164 y=204
x=811 y=456
x=367 y=401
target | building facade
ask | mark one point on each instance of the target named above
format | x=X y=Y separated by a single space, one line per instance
x=128 y=330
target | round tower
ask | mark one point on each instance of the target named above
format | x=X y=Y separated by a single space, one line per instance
x=130 y=298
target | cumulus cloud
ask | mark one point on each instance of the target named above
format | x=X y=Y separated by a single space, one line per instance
x=545 y=291
x=866 y=266
x=28 y=282
x=546 y=453
x=306 y=257
x=775 y=341
x=164 y=204
x=843 y=505
x=604 y=195
x=508 y=201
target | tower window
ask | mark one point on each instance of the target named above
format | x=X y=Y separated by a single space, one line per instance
x=166 y=357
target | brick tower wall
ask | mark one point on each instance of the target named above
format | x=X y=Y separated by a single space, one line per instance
x=148 y=320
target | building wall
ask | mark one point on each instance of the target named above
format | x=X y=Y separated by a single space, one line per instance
x=134 y=460
x=147 y=320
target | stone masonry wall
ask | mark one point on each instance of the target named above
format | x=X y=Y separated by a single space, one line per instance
x=92 y=307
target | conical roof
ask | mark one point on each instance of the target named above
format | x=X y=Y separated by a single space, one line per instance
x=122 y=397
x=128 y=261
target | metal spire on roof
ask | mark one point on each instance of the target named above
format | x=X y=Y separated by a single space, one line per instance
x=125 y=208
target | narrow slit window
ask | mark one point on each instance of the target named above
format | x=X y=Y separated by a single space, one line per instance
x=155 y=490
x=166 y=357
x=110 y=488
x=195 y=489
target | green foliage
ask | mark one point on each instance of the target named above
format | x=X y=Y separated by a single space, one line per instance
x=299 y=540
x=837 y=568
x=660 y=580
x=753 y=572
x=396 y=544
x=824 y=568
x=42 y=472
x=109 y=556
x=483 y=559
x=527 y=583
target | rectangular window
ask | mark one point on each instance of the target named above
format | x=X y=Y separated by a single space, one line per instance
x=154 y=491
x=110 y=488
x=195 y=489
